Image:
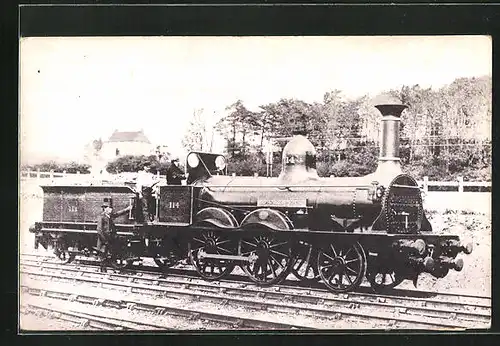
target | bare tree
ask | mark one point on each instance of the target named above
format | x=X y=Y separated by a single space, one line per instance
x=200 y=133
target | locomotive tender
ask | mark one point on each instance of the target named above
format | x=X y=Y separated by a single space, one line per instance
x=337 y=230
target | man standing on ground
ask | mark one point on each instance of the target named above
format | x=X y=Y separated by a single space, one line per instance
x=106 y=230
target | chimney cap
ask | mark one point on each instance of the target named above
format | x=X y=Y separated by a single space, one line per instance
x=391 y=109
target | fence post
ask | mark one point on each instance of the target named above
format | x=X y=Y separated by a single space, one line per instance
x=64 y=174
x=460 y=184
x=51 y=174
x=426 y=184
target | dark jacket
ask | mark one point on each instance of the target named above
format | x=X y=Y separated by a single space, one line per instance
x=106 y=225
x=174 y=175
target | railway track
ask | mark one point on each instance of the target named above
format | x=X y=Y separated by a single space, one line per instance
x=188 y=273
x=86 y=320
x=351 y=309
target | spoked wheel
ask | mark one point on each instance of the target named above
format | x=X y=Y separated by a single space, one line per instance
x=210 y=242
x=273 y=258
x=163 y=262
x=342 y=266
x=119 y=258
x=382 y=279
x=120 y=262
x=304 y=267
x=62 y=253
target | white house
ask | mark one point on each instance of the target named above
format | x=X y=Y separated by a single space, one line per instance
x=126 y=143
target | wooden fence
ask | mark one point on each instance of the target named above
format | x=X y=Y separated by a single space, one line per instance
x=425 y=184
x=38 y=175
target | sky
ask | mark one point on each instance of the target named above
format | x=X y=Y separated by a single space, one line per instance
x=74 y=90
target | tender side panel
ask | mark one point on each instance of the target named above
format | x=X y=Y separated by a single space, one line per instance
x=73 y=206
x=83 y=203
x=52 y=205
x=121 y=200
x=120 y=197
x=175 y=204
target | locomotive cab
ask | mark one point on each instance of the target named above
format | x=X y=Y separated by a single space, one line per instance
x=203 y=165
x=174 y=204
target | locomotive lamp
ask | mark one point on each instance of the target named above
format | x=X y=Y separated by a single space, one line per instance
x=193 y=160
x=220 y=163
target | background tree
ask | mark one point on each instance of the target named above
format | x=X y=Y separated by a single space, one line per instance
x=135 y=163
x=200 y=133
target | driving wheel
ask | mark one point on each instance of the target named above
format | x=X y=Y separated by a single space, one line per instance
x=271 y=258
x=304 y=267
x=212 y=243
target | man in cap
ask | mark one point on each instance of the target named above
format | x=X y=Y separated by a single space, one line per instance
x=175 y=175
x=106 y=230
x=144 y=188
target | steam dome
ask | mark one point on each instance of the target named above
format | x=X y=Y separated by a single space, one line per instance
x=298 y=161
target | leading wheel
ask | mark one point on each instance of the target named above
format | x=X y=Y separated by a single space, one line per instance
x=383 y=278
x=304 y=267
x=210 y=242
x=342 y=266
x=272 y=258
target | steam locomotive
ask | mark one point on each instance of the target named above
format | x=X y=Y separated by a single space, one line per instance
x=338 y=230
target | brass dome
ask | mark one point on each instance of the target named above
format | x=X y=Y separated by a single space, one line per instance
x=298 y=161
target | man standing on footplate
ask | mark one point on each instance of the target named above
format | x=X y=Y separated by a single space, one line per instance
x=144 y=188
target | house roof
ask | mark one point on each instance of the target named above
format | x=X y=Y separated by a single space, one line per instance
x=134 y=136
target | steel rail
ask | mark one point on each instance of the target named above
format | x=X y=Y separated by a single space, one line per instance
x=156 y=308
x=333 y=309
x=427 y=307
x=90 y=320
x=459 y=300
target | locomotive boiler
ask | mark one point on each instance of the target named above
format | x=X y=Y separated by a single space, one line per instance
x=337 y=229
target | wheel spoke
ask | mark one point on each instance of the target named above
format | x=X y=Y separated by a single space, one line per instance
x=333 y=249
x=222 y=242
x=348 y=278
x=256 y=268
x=248 y=243
x=275 y=245
x=225 y=250
x=279 y=263
x=199 y=240
x=345 y=256
x=350 y=261
x=331 y=276
x=353 y=271
x=280 y=253
x=324 y=253
x=272 y=268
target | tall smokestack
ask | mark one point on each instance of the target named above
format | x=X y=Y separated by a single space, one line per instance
x=389 y=162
